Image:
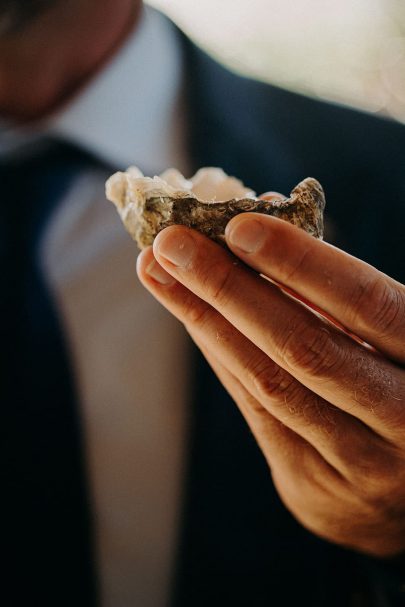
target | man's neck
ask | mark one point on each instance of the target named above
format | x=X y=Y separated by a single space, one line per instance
x=44 y=65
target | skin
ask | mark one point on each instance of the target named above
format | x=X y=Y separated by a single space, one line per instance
x=327 y=412
x=51 y=58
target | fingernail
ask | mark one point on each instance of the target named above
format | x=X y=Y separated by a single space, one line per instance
x=159 y=274
x=179 y=250
x=247 y=235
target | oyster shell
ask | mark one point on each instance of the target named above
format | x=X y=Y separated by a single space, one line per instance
x=206 y=202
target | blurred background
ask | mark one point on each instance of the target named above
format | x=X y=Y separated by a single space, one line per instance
x=351 y=51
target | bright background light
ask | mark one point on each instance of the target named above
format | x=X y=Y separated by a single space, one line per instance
x=351 y=51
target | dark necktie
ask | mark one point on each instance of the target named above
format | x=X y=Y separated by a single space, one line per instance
x=49 y=547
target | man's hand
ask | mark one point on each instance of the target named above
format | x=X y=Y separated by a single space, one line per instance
x=327 y=412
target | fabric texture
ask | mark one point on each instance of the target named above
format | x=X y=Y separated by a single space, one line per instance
x=49 y=533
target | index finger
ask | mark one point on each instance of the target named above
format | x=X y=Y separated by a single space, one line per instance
x=321 y=358
x=364 y=300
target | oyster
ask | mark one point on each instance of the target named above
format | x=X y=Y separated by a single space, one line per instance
x=206 y=202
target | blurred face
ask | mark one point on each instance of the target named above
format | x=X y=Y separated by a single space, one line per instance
x=59 y=42
x=15 y=14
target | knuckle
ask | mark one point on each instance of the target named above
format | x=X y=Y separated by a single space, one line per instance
x=311 y=349
x=386 y=502
x=205 y=323
x=276 y=388
x=197 y=313
x=378 y=304
x=217 y=282
x=319 y=417
x=377 y=478
x=270 y=381
x=375 y=387
x=297 y=269
x=280 y=393
x=390 y=314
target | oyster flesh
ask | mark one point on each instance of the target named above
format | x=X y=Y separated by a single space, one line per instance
x=206 y=202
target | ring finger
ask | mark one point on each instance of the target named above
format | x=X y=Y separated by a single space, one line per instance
x=341 y=439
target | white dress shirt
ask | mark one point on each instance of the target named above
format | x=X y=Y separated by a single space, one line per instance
x=129 y=354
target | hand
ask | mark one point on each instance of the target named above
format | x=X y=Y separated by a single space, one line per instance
x=328 y=413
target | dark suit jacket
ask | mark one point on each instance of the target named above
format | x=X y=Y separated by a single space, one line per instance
x=238 y=545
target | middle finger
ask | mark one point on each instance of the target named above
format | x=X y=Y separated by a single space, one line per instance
x=319 y=356
x=342 y=440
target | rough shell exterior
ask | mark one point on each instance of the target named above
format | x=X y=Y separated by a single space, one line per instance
x=145 y=215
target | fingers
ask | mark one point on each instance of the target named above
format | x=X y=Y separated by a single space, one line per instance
x=305 y=482
x=321 y=358
x=194 y=312
x=342 y=440
x=289 y=456
x=364 y=459
x=274 y=439
x=346 y=444
x=367 y=302
x=326 y=502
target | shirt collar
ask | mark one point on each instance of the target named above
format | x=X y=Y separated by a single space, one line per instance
x=129 y=112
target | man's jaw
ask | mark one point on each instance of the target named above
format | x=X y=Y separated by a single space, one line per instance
x=44 y=66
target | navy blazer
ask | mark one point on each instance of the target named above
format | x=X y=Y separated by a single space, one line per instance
x=238 y=544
